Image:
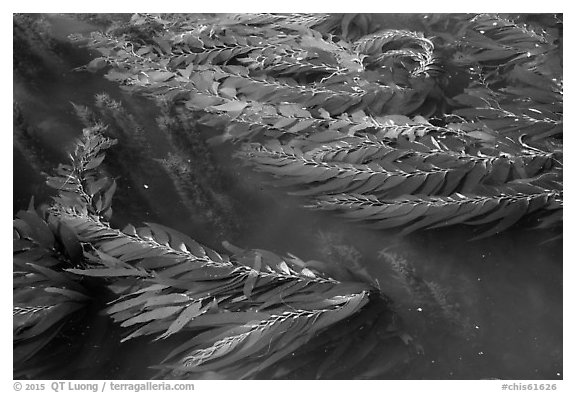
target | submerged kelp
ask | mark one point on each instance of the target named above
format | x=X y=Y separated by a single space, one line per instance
x=188 y=167
x=242 y=313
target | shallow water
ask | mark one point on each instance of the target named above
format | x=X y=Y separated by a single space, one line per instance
x=482 y=309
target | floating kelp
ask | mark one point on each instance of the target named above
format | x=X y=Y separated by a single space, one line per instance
x=330 y=116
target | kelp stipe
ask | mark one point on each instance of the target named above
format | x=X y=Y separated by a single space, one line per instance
x=185 y=167
x=431 y=301
x=197 y=178
x=239 y=314
x=26 y=140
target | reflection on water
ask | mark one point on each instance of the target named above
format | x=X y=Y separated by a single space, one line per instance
x=484 y=309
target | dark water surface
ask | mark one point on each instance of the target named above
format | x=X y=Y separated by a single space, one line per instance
x=490 y=308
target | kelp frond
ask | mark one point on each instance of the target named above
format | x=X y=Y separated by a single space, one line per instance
x=250 y=309
x=505 y=208
x=379 y=51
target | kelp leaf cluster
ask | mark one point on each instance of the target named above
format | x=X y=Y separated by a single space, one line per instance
x=357 y=117
x=45 y=297
x=516 y=69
